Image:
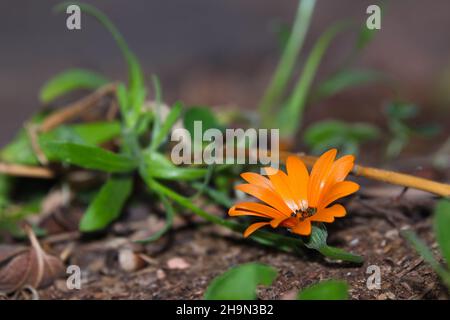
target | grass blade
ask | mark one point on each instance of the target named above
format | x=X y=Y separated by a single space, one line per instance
x=292 y=113
x=135 y=76
x=441 y=227
x=170 y=214
x=163 y=132
x=287 y=62
x=68 y=81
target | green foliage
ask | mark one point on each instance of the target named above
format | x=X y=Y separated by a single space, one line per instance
x=202 y=114
x=240 y=283
x=20 y=150
x=347 y=137
x=326 y=290
x=107 y=204
x=318 y=241
x=135 y=95
x=288 y=59
x=170 y=214
x=68 y=81
x=441 y=223
x=290 y=110
x=157 y=166
x=290 y=116
x=441 y=227
x=343 y=80
x=166 y=127
x=398 y=113
x=89 y=157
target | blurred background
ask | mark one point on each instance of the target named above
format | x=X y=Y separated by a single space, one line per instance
x=223 y=53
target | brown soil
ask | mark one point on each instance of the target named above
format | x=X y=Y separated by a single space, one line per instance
x=371 y=228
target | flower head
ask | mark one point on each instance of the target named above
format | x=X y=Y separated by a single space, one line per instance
x=296 y=199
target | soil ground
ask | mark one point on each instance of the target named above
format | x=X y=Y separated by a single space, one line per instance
x=371 y=228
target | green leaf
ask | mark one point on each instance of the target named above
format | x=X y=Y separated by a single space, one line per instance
x=164 y=131
x=170 y=214
x=442 y=228
x=137 y=92
x=70 y=80
x=202 y=114
x=423 y=250
x=240 y=283
x=90 y=157
x=108 y=204
x=345 y=79
x=326 y=290
x=290 y=116
x=285 y=66
x=93 y=133
x=401 y=110
x=346 y=137
x=318 y=241
x=19 y=150
x=157 y=166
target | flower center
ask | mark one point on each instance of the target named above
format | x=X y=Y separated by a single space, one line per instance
x=302 y=215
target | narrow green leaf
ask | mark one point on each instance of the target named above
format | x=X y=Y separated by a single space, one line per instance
x=68 y=81
x=292 y=113
x=423 y=250
x=326 y=290
x=170 y=214
x=107 y=205
x=344 y=80
x=136 y=78
x=93 y=133
x=442 y=228
x=240 y=283
x=158 y=166
x=340 y=254
x=287 y=62
x=89 y=157
x=164 y=131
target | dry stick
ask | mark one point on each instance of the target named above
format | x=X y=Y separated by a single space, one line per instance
x=32 y=131
x=76 y=108
x=26 y=171
x=401 y=179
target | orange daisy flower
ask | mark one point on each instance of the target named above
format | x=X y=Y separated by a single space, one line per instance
x=296 y=199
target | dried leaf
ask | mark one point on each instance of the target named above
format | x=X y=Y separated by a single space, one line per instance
x=21 y=266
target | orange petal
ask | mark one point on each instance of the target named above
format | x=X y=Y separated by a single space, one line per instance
x=257 y=179
x=259 y=208
x=298 y=179
x=234 y=212
x=280 y=181
x=253 y=227
x=319 y=174
x=339 y=190
x=276 y=222
x=265 y=195
x=302 y=228
x=328 y=214
x=341 y=168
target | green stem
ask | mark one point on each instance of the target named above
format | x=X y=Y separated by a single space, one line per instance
x=292 y=113
x=339 y=254
x=287 y=61
x=263 y=237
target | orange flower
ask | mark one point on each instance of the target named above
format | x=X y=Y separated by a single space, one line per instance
x=296 y=199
